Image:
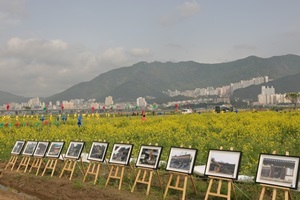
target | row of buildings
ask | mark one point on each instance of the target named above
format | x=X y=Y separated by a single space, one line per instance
x=224 y=91
x=37 y=104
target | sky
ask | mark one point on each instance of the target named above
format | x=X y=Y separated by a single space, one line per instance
x=48 y=46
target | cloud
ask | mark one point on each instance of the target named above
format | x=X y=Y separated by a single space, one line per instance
x=11 y=12
x=189 y=8
x=182 y=12
x=139 y=52
x=35 y=67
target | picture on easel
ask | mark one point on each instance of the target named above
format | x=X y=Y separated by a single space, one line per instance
x=98 y=151
x=17 y=149
x=29 y=148
x=181 y=160
x=55 y=149
x=74 y=150
x=41 y=149
x=225 y=164
x=149 y=156
x=121 y=154
x=278 y=170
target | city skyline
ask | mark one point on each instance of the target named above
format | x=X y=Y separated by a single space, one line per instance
x=47 y=47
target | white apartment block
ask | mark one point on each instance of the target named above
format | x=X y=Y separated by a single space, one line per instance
x=141 y=102
x=269 y=97
x=109 y=101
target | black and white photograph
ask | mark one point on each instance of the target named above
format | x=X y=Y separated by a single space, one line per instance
x=182 y=160
x=278 y=170
x=17 y=149
x=74 y=150
x=121 y=154
x=41 y=149
x=29 y=148
x=149 y=156
x=98 y=151
x=55 y=149
x=222 y=163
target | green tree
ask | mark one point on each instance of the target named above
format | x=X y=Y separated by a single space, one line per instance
x=293 y=97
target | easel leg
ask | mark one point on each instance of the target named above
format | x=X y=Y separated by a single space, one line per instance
x=150 y=181
x=73 y=169
x=167 y=188
x=86 y=173
x=262 y=194
x=228 y=190
x=108 y=178
x=121 y=178
x=274 y=194
x=209 y=188
x=55 y=162
x=136 y=179
x=184 y=187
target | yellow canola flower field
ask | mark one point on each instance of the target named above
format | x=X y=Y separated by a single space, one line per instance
x=251 y=133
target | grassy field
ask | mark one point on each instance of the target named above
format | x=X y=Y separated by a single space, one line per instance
x=251 y=133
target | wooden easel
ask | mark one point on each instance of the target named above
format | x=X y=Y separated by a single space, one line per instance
x=144 y=176
x=176 y=186
x=287 y=191
x=24 y=163
x=70 y=165
x=36 y=163
x=220 y=182
x=114 y=174
x=12 y=162
x=50 y=165
x=93 y=169
x=218 y=192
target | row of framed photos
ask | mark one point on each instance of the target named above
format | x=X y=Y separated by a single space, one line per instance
x=278 y=170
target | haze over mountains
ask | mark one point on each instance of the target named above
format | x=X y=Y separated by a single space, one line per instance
x=150 y=79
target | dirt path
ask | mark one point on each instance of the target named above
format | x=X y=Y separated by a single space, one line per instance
x=28 y=186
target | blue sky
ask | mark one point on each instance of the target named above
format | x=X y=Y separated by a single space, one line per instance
x=48 y=46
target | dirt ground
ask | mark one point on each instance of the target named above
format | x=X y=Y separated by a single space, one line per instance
x=24 y=186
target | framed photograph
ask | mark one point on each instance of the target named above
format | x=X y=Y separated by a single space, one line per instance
x=41 y=149
x=221 y=163
x=74 y=150
x=98 y=151
x=182 y=160
x=17 y=149
x=121 y=154
x=149 y=156
x=29 y=148
x=278 y=170
x=55 y=149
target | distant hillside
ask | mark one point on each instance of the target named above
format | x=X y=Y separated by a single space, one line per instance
x=6 y=97
x=150 y=79
x=283 y=85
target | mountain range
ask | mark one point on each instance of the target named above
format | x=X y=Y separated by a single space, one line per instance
x=151 y=79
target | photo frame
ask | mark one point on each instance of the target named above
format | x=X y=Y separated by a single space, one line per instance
x=222 y=163
x=182 y=160
x=121 y=154
x=74 y=150
x=17 y=149
x=278 y=170
x=98 y=151
x=29 y=148
x=41 y=149
x=149 y=156
x=55 y=149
